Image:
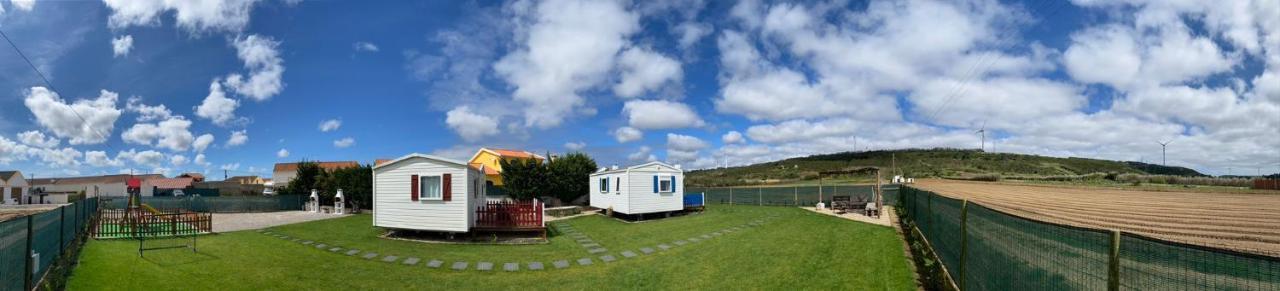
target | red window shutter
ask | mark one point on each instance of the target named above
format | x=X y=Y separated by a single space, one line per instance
x=447 y=192
x=414 y=184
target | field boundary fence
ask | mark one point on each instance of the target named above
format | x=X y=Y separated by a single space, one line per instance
x=218 y=204
x=791 y=195
x=30 y=245
x=986 y=249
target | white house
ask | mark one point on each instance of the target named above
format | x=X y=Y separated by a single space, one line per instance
x=13 y=187
x=647 y=188
x=425 y=192
x=93 y=186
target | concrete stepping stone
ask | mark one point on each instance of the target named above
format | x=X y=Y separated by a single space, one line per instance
x=390 y=259
x=717 y=233
x=484 y=266
x=664 y=247
x=608 y=258
x=434 y=263
x=681 y=242
x=596 y=251
x=511 y=267
x=321 y=246
x=561 y=264
x=586 y=241
x=353 y=252
x=535 y=266
x=411 y=261
x=459 y=266
x=591 y=245
x=307 y=242
x=295 y=240
x=646 y=250
x=584 y=261
x=629 y=254
x=335 y=249
x=694 y=239
x=369 y=256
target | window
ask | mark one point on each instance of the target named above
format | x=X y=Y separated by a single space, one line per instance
x=617 y=185
x=429 y=188
x=604 y=185
x=665 y=185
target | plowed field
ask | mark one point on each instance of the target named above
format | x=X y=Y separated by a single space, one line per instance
x=1243 y=222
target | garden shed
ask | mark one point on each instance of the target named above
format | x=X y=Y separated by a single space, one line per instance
x=430 y=193
x=646 y=188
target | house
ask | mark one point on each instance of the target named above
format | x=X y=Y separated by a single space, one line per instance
x=247 y=180
x=491 y=159
x=646 y=188
x=14 y=188
x=195 y=177
x=285 y=172
x=425 y=192
x=93 y=186
x=169 y=186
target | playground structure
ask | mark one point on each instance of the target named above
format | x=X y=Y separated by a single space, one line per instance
x=142 y=222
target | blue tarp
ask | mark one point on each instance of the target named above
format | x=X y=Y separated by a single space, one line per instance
x=694 y=199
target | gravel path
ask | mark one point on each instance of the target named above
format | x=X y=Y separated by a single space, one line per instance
x=224 y=222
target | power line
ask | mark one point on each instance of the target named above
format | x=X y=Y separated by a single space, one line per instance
x=50 y=85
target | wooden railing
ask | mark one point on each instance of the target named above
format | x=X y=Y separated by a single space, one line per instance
x=137 y=223
x=510 y=215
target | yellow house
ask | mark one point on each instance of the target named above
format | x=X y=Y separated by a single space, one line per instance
x=487 y=159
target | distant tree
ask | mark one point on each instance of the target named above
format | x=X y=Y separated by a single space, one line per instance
x=568 y=176
x=309 y=174
x=524 y=178
x=356 y=184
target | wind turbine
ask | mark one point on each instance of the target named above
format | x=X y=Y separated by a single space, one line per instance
x=1164 y=161
x=983 y=132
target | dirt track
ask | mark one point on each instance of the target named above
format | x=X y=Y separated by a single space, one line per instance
x=1243 y=222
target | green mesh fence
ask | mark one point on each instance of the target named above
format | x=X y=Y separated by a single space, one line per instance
x=998 y=251
x=792 y=195
x=51 y=233
x=13 y=243
x=215 y=204
x=1150 y=264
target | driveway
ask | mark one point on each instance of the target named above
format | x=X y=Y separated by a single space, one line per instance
x=225 y=222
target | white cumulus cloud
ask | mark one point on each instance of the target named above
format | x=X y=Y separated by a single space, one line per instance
x=38 y=139
x=345 y=142
x=202 y=142
x=660 y=114
x=732 y=137
x=194 y=16
x=219 y=109
x=261 y=55
x=237 y=138
x=83 y=122
x=173 y=134
x=644 y=70
x=627 y=134
x=330 y=125
x=471 y=126
x=283 y=153
x=121 y=46
x=364 y=46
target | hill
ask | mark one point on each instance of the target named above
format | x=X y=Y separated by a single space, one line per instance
x=922 y=163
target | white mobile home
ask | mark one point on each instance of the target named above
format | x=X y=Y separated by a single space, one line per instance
x=647 y=188
x=424 y=192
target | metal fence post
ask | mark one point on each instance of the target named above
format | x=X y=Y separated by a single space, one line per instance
x=62 y=228
x=964 y=240
x=26 y=276
x=1113 y=270
x=730 y=195
x=795 y=191
x=760 y=196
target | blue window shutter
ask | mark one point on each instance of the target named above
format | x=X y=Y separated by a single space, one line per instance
x=655 y=183
x=673 y=184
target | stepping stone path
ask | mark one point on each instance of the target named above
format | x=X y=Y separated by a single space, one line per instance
x=582 y=239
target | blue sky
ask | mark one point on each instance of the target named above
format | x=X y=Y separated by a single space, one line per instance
x=245 y=84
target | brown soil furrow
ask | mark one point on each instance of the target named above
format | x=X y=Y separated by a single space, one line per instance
x=1233 y=216
x=1153 y=220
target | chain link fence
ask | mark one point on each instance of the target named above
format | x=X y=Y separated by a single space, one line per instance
x=984 y=249
x=30 y=244
x=792 y=195
x=220 y=204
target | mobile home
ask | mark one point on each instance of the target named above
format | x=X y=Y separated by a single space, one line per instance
x=425 y=192
x=647 y=188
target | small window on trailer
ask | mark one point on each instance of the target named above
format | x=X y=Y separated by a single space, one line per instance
x=431 y=187
x=667 y=184
x=604 y=185
x=618 y=186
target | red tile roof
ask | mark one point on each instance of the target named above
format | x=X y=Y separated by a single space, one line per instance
x=328 y=166
x=171 y=183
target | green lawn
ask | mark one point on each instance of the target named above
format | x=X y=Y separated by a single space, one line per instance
x=797 y=250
